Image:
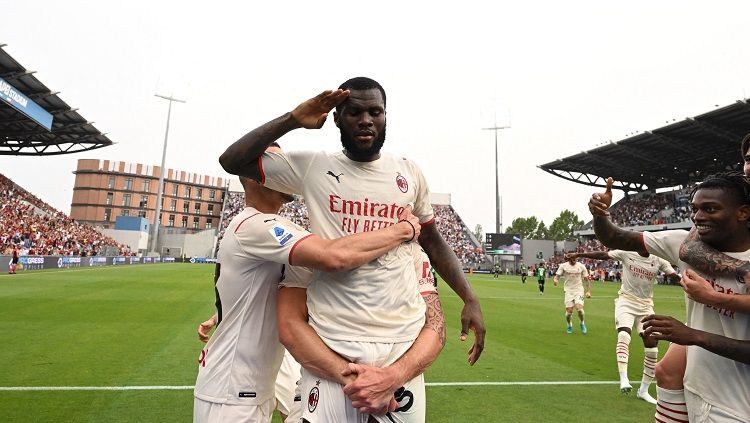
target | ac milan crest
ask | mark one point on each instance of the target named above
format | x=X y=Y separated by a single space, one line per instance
x=312 y=399
x=401 y=183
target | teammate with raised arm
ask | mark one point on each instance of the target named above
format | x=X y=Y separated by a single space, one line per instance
x=352 y=191
x=237 y=367
x=720 y=210
x=575 y=275
x=635 y=301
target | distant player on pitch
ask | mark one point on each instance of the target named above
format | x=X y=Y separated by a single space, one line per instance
x=634 y=302
x=575 y=273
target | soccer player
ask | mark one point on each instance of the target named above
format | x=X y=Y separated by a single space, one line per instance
x=496 y=271
x=721 y=209
x=575 y=274
x=634 y=302
x=238 y=365
x=524 y=272
x=353 y=191
x=540 y=277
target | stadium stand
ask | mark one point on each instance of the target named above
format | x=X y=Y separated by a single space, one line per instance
x=36 y=228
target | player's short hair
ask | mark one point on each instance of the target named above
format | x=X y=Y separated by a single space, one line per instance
x=361 y=83
x=731 y=181
x=745 y=145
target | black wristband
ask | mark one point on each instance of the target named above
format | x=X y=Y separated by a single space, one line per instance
x=413 y=230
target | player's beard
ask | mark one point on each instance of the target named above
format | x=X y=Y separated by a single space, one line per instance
x=360 y=154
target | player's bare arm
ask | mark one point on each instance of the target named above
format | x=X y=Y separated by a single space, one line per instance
x=240 y=158
x=709 y=260
x=671 y=329
x=301 y=339
x=609 y=234
x=374 y=387
x=445 y=262
x=596 y=255
x=357 y=249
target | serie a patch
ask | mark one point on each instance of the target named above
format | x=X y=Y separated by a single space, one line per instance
x=281 y=234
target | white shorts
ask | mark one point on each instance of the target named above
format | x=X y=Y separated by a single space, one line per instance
x=699 y=411
x=213 y=412
x=573 y=298
x=324 y=401
x=287 y=388
x=627 y=313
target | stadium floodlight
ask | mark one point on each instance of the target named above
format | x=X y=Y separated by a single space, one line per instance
x=162 y=172
x=498 y=205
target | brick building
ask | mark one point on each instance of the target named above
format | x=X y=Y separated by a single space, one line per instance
x=105 y=189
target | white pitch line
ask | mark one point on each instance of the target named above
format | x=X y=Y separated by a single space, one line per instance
x=189 y=387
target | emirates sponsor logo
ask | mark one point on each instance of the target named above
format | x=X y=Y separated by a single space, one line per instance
x=363 y=215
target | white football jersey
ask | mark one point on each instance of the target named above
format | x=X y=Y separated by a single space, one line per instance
x=379 y=301
x=573 y=275
x=239 y=363
x=639 y=274
x=425 y=280
x=720 y=381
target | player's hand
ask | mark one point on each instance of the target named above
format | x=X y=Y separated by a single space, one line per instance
x=600 y=202
x=205 y=327
x=698 y=288
x=588 y=294
x=668 y=328
x=372 y=391
x=414 y=220
x=472 y=319
x=312 y=113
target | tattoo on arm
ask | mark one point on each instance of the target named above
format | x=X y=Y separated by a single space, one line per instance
x=707 y=259
x=434 y=315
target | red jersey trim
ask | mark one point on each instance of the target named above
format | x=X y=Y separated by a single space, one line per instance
x=295 y=246
x=643 y=243
x=260 y=169
x=243 y=221
x=429 y=222
x=423 y=293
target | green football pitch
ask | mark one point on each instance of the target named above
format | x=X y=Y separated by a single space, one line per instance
x=91 y=341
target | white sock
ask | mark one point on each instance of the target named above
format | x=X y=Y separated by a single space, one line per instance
x=649 y=362
x=622 y=351
x=670 y=406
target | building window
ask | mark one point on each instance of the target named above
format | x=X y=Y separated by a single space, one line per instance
x=188 y=191
x=199 y=193
x=128 y=184
x=196 y=222
x=146 y=185
x=186 y=207
x=144 y=201
x=197 y=208
x=209 y=223
x=111 y=182
x=142 y=213
x=126 y=200
x=171 y=220
x=172 y=205
x=211 y=194
x=210 y=209
x=107 y=214
x=184 y=221
x=175 y=189
x=109 y=198
x=125 y=212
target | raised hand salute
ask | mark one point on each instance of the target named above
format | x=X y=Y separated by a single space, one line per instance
x=312 y=113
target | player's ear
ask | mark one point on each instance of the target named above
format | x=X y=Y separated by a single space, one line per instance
x=336 y=118
x=743 y=213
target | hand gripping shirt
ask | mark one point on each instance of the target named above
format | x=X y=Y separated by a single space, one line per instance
x=720 y=381
x=239 y=363
x=573 y=274
x=639 y=275
x=379 y=301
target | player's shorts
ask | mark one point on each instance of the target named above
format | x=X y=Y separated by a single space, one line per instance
x=213 y=412
x=699 y=411
x=540 y=280
x=628 y=312
x=573 y=298
x=324 y=401
x=287 y=388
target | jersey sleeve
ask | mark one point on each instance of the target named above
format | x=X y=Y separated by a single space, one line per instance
x=560 y=270
x=664 y=244
x=270 y=237
x=584 y=271
x=285 y=171
x=615 y=254
x=665 y=267
x=424 y=277
x=297 y=277
x=422 y=206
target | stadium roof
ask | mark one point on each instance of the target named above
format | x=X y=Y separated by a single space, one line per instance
x=23 y=135
x=677 y=154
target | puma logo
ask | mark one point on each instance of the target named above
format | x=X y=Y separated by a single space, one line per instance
x=269 y=220
x=334 y=175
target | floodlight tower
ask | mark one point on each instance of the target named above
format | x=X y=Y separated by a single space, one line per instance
x=157 y=219
x=498 y=204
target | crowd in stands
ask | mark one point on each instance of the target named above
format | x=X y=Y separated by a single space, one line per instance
x=652 y=209
x=448 y=223
x=33 y=227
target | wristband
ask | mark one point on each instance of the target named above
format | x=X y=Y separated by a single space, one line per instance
x=413 y=230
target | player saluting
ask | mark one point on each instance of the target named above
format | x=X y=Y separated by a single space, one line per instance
x=575 y=274
x=634 y=302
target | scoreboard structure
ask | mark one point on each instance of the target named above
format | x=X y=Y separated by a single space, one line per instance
x=502 y=244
